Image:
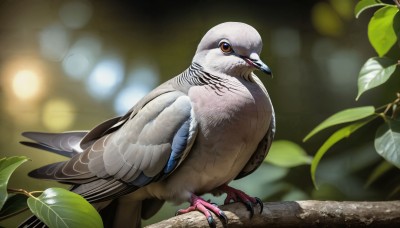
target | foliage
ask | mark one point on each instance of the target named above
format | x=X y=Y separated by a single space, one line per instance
x=383 y=32
x=7 y=167
x=285 y=153
x=375 y=72
x=56 y=207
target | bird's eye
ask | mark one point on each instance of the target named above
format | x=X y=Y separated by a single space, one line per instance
x=225 y=47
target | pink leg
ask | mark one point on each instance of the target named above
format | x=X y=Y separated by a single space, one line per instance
x=199 y=204
x=235 y=195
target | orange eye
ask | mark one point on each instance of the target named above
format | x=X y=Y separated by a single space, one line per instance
x=225 y=47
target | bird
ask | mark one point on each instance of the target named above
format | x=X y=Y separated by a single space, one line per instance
x=193 y=134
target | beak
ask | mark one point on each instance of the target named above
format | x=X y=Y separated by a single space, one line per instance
x=254 y=60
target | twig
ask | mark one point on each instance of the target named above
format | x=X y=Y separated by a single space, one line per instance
x=397 y=2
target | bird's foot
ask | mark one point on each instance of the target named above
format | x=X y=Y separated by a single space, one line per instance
x=199 y=204
x=235 y=195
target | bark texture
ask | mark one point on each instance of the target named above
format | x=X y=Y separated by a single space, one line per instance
x=308 y=213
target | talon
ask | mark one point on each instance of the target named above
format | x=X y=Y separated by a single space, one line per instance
x=178 y=212
x=211 y=221
x=259 y=202
x=250 y=208
x=224 y=218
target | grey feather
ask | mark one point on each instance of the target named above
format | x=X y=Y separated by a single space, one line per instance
x=66 y=144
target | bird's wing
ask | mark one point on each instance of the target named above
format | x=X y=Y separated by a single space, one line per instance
x=263 y=146
x=150 y=143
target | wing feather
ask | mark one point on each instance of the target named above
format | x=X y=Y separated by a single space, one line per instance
x=125 y=153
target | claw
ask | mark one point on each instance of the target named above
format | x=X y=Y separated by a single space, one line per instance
x=178 y=212
x=205 y=207
x=211 y=221
x=239 y=196
x=259 y=202
x=250 y=208
x=223 y=218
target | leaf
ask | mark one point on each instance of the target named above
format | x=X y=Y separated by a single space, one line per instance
x=58 y=207
x=387 y=141
x=344 y=116
x=381 y=169
x=287 y=154
x=375 y=72
x=333 y=139
x=7 y=167
x=14 y=205
x=381 y=33
x=366 y=4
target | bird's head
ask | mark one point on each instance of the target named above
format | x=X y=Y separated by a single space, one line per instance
x=231 y=48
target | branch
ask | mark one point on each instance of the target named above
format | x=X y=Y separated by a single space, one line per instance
x=299 y=213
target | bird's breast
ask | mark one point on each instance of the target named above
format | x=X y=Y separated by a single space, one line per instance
x=239 y=105
x=232 y=122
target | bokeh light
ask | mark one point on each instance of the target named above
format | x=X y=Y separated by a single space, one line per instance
x=344 y=8
x=76 y=64
x=75 y=14
x=145 y=74
x=58 y=114
x=326 y=20
x=81 y=56
x=54 y=42
x=105 y=78
x=343 y=64
x=142 y=79
x=338 y=64
x=26 y=84
x=128 y=97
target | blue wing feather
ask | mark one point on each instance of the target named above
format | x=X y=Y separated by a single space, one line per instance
x=179 y=144
x=141 y=180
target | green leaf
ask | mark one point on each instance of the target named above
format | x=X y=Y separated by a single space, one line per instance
x=366 y=4
x=387 y=141
x=7 y=167
x=14 y=205
x=344 y=116
x=381 y=33
x=287 y=154
x=58 y=207
x=333 y=139
x=375 y=72
x=381 y=169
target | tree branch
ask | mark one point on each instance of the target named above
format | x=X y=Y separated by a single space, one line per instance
x=309 y=213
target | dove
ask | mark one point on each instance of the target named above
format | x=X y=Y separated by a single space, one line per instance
x=192 y=135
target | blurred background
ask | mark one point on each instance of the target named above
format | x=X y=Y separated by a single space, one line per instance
x=69 y=65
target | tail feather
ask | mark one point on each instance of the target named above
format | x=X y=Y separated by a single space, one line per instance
x=66 y=144
x=45 y=147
